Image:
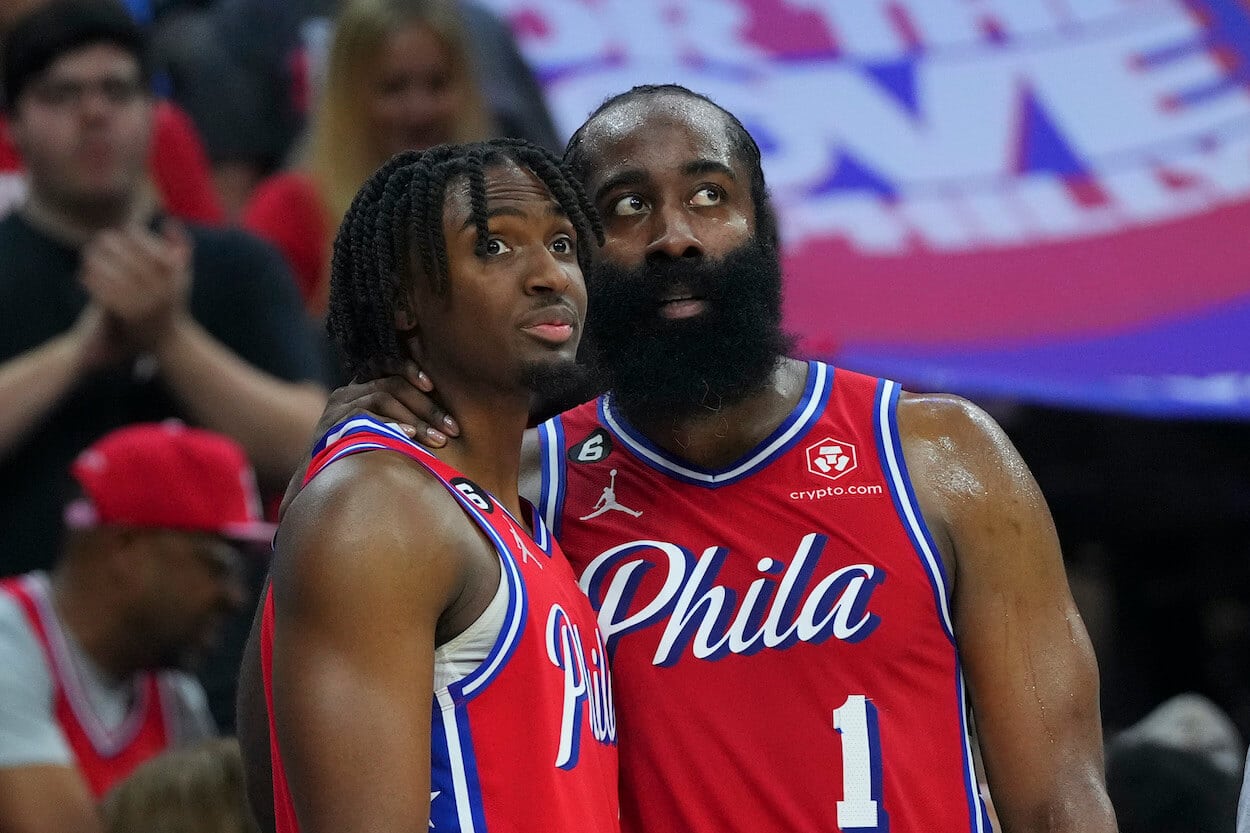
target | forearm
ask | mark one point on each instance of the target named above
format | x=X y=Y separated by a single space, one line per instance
x=1038 y=720
x=32 y=384
x=1079 y=805
x=46 y=799
x=272 y=419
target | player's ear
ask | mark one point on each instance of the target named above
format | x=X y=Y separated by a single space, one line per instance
x=405 y=309
x=409 y=332
x=405 y=320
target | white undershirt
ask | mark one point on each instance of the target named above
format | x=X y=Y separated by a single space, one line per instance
x=461 y=655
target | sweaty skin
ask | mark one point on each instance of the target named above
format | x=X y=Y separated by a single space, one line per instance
x=375 y=564
x=1029 y=664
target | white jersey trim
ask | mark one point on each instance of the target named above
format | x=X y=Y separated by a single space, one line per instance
x=517 y=605
x=976 y=806
x=816 y=394
x=905 y=499
x=455 y=756
x=551 y=451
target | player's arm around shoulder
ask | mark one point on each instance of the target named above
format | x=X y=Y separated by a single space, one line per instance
x=368 y=560
x=1030 y=667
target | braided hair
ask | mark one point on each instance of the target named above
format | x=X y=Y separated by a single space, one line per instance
x=397 y=216
x=745 y=148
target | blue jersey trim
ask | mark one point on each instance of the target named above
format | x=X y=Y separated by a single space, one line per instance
x=451 y=739
x=542 y=535
x=977 y=813
x=359 y=428
x=805 y=414
x=551 y=456
x=890 y=451
x=518 y=607
x=361 y=424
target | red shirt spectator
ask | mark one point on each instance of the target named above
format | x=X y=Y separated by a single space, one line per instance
x=288 y=211
x=178 y=167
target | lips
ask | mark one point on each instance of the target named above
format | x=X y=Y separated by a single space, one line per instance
x=554 y=324
x=680 y=302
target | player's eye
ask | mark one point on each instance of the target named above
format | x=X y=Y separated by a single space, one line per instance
x=562 y=245
x=707 y=195
x=495 y=247
x=629 y=205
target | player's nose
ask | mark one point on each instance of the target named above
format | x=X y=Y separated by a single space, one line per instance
x=549 y=274
x=673 y=235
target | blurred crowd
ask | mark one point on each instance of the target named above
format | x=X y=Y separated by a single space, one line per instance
x=164 y=263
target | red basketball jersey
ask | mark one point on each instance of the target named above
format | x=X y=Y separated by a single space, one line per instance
x=527 y=742
x=104 y=756
x=779 y=629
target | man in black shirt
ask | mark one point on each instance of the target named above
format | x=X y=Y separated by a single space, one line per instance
x=112 y=314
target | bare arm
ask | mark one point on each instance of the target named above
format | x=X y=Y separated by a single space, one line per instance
x=41 y=790
x=397 y=399
x=143 y=281
x=357 y=606
x=252 y=727
x=1030 y=666
x=272 y=419
x=46 y=799
x=33 y=383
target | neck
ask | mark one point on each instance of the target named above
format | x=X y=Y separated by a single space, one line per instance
x=713 y=439
x=488 y=450
x=84 y=612
x=75 y=225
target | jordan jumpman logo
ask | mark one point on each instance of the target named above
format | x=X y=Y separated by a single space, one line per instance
x=526 y=555
x=608 y=501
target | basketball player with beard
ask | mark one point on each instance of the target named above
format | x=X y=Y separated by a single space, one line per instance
x=810 y=582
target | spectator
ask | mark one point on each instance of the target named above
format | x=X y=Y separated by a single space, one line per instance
x=196 y=789
x=398 y=78
x=1176 y=770
x=112 y=321
x=1193 y=723
x=178 y=166
x=88 y=654
x=247 y=71
x=1159 y=788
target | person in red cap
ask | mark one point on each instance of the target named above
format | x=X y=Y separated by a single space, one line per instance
x=92 y=654
x=114 y=312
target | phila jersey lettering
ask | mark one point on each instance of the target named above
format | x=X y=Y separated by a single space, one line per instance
x=526 y=743
x=780 y=629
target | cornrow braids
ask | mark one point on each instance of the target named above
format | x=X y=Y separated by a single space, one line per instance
x=393 y=230
x=577 y=158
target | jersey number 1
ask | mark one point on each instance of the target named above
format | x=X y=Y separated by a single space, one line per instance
x=856 y=721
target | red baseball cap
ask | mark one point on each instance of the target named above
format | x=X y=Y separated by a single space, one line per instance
x=168 y=476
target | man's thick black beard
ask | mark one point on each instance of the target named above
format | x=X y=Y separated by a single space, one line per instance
x=662 y=369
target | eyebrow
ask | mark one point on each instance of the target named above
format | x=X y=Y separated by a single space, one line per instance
x=637 y=176
x=632 y=176
x=708 y=166
x=554 y=209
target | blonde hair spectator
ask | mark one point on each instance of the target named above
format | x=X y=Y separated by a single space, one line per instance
x=351 y=135
x=196 y=789
x=398 y=77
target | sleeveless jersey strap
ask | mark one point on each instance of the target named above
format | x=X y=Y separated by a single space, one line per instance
x=361 y=434
x=551 y=449
x=507 y=535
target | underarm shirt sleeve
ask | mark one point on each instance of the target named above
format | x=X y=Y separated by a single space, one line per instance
x=29 y=733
